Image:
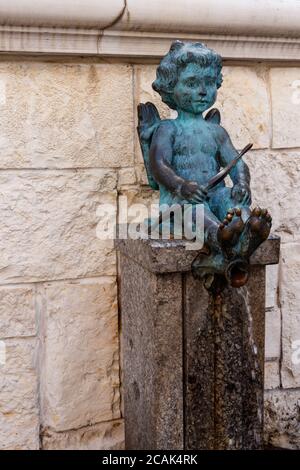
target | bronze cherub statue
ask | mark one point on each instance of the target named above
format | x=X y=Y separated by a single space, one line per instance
x=182 y=155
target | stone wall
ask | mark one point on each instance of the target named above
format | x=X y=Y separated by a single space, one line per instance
x=67 y=144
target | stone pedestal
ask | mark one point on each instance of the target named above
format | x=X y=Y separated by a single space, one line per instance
x=193 y=363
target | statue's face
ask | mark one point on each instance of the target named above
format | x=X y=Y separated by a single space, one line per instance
x=196 y=88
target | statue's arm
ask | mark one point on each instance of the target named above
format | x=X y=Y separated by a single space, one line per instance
x=161 y=158
x=160 y=164
x=240 y=174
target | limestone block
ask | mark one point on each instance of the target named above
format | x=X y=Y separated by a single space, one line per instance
x=137 y=204
x=57 y=115
x=144 y=76
x=141 y=174
x=80 y=384
x=49 y=221
x=244 y=106
x=271 y=285
x=272 y=379
x=273 y=333
x=103 y=436
x=282 y=418
x=151 y=315
x=17 y=313
x=19 y=416
x=127 y=176
x=290 y=302
x=285 y=93
x=275 y=184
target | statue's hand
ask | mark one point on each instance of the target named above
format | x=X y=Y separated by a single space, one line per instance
x=192 y=192
x=241 y=193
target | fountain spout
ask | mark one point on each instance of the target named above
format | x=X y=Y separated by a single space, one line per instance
x=237 y=272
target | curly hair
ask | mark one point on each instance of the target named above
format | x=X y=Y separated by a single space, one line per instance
x=180 y=55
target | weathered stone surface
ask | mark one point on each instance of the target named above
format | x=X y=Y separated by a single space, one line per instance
x=17 y=312
x=223 y=370
x=282 y=426
x=164 y=256
x=127 y=176
x=106 y=436
x=49 y=223
x=244 y=106
x=275 y=184
x=290 y=301
x=144 y=75
x=138 y=195
x=141 y=174
x=222 y=352
x=273 y=333
x=151 y=315
x=199 y=360
x=19 y=414
x=80 y=383
x=253 y=313
x=272 y=284
x=272 y=379
x=285 y=93
x=58 y=115
x=135 y=203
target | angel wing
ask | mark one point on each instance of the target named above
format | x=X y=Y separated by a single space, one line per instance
x=148 y=120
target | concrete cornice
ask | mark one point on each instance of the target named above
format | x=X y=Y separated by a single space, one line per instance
x=61 y=13
x=238 y=29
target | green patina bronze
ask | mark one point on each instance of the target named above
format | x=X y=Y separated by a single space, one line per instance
x=183 y=155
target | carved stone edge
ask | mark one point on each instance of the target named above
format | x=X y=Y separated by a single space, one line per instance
x=139 y=45
x=166 y=256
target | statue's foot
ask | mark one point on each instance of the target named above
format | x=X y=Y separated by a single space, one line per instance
x=256 y=230
x=230 y=230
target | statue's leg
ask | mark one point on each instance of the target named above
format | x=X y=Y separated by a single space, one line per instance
x=207 y=230
x=204 y=230
x=233 y=216
x=211 y=259
x=211 y=227
x=221 y=201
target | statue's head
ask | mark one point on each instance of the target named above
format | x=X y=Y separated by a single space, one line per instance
x=188 y=77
